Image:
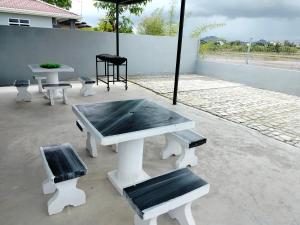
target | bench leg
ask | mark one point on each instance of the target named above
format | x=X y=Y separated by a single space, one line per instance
x=51 y=96
x=67 y=194
x=187 y=158
x=82 y=89
x=183 y=215
x=48 y=186
x=65 y=98
x=139 y=221
x=91 y=145
x=115 y=148
x=40 y=85
x=23 y=95
x=172 y=147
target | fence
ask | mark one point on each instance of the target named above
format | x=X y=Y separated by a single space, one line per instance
x=147 y=55
x=273 y=79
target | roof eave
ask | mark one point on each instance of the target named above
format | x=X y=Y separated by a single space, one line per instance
x=39 y=13
x=123 y=2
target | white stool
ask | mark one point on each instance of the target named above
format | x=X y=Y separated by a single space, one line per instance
x=183 y=143
x=87 y=86
x=172 y=193
x=22 y=87
x=51 y=88
x=68 y=167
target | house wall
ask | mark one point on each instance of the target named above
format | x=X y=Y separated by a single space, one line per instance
x=35 y=21
x=147 y=55
x=273 y=79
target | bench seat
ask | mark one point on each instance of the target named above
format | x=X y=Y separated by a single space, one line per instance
x=183 y=143
x=52 y=88
x=64 y=163
x=60 y=85
x=22 y=83
x=87 y=80
x=63 y=167
x=22 y=87
x=190 y=138
x=166 y=193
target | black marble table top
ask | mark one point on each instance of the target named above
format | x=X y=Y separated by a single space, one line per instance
x=113 y=118
x=63 y=162
x=87 y=80
x=161 y=189
x=192 y=138
x=22 y=83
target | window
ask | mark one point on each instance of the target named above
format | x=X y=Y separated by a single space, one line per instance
x=18 y=22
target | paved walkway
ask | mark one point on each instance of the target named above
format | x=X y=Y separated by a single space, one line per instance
x=273 y=114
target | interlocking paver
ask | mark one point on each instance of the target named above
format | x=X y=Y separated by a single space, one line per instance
x=273 y=114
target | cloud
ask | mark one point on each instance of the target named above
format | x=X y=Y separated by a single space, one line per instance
x=245 y=8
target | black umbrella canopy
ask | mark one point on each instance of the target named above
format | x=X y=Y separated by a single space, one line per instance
x=179 y=46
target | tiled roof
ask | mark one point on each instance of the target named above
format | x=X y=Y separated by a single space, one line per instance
x=35 y=7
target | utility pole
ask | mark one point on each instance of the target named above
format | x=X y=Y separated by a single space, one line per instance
x=248 y=51
x=179 y=46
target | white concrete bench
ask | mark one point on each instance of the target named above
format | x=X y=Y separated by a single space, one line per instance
x=39 y=79
x=87 y=86
x=183 y=143
x=63 y=167
x=22 y=87
x=51 y=88
x=172 y=193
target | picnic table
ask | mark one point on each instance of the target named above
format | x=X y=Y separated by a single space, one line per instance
x=127 y=123
x=52 y=74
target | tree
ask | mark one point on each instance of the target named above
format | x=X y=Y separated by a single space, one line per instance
x=66 y=4
x=156 y=24
x=171 y=25
x=288 y=44
x=125 y=23
x=197 y=33
x=126 y=26
x=153 y=25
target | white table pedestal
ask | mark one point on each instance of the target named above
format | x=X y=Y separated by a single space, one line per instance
x=130 y=165
x=52 y=78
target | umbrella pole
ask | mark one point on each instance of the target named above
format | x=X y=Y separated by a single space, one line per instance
x=179 y=47
x=117 y=38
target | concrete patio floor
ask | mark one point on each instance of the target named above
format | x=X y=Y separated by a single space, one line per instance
x=254 y=179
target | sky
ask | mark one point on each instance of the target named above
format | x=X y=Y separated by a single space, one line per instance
x=273 y=20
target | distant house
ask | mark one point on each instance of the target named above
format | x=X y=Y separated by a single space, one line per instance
x=213 y=39
x=261 y=42
x=34 y=13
